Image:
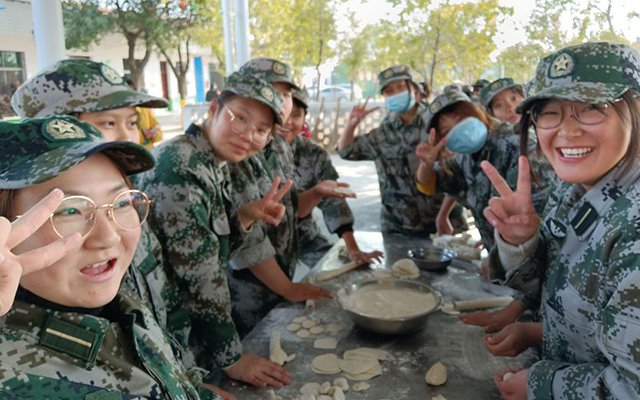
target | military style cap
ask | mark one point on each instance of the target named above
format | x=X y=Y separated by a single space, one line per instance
x=395 y=73
x=270 y=70
x=43 y=148
x=302 y=96
x=450 y=96
x=481 y=83
x=253 y=87
x=590 y=72
x=494 y=88
x=74 y=86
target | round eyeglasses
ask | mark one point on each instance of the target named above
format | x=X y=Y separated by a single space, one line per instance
x=549 y=114
x=241 y=124
x=128 y=211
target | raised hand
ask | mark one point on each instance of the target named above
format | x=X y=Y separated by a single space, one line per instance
x=14 y=266
x=267 y=209
x=512 y=213
x=359 y=112
x=429 y=151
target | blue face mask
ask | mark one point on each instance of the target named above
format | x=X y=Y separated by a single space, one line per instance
x=468 y=136
x=400 y=102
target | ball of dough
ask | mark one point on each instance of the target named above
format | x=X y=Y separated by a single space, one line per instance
x=436 y=375
x=507 y=376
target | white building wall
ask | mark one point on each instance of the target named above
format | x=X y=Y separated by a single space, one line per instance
x=16 y=34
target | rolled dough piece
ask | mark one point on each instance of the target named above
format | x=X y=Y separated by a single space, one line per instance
x=326 y=388
x=344 y=190
x=276 y=354
x=326 y=364
x=271 y=395
x=439 y=397
x=405 y=268
x=360 y=386
x=334 y=328
x=300 y=320
x=342 y=383
x=365 y=376
x=308 y=324
x=436 y=375
x=358 y=367
x=310 y=388
x=292 y=327
x=303 y=333
x=327 y=343
x=507 y=376
x=338 y=394
x=316 y=330
x=365 y=353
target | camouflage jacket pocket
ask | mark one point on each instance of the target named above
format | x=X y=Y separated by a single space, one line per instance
x=220 y=224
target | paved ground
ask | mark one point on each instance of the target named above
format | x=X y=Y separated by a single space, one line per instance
x=361 y=175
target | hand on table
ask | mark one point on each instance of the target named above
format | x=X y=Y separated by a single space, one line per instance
x=306 y=291
x=359 y=256
x=12 y=266
x=514 y=338
x=493 y=321
x=515 y=388
x=258 y=371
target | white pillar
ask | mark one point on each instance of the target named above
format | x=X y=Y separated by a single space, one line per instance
x=243 y=51
x=48 y=31
x=228 y=40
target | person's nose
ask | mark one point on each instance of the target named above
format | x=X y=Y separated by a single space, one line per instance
x=105 y=233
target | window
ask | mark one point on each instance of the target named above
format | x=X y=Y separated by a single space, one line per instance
x=11 y=71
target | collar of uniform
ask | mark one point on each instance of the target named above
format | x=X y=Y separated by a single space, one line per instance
x=585 y=210
x=296 y=141
x=202 y=145
x=78 y=336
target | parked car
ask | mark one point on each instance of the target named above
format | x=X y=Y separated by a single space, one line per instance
x=333 y=93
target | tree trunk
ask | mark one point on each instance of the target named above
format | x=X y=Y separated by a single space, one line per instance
x=435 y=56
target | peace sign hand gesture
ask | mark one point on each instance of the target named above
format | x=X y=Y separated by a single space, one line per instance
x=512 y=213
x=267 y=209
x=14 y=266
x=359 y=112
x=428 y=151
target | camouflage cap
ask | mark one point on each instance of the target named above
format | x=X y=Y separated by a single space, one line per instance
x=448 y=97
x=494 y=88
x=74 y=86
x=43 y=148
x=481 y=83
x=302 y=96
x=395 y=73
x=270 y=70
x=595 y=72
x=253 y=87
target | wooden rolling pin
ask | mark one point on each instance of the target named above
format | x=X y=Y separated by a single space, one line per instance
x=490 y=302
x=326 y=275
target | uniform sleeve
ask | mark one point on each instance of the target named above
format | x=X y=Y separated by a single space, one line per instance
x=336 y=212
x=363 y=147
x=618 y=375
x=194 y=227
x=452 y=183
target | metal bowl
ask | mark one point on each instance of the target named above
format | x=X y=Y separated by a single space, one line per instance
x=432 y=258
x=388 y=326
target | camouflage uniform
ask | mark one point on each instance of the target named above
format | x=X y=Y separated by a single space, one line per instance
x=118 y=351
x=312 y=165
x=587 y=253
x=77 y=86
x=72 y=86
x=251 y=179
x=120 y=354
x=191 y=216
x=392 y=147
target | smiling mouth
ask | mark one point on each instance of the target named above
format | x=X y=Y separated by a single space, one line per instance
x=99 y=268
x=575 y=152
